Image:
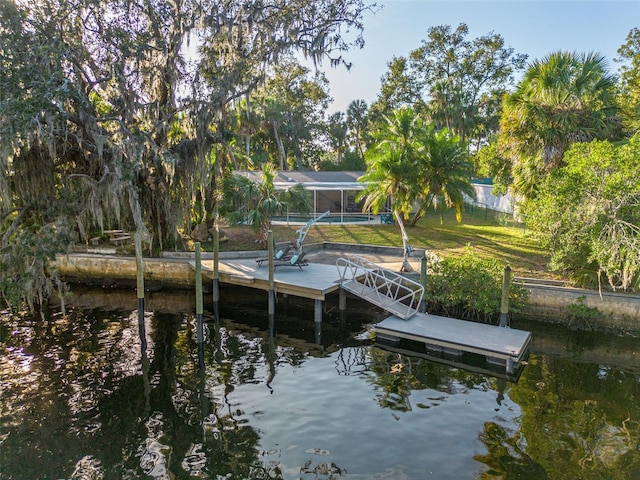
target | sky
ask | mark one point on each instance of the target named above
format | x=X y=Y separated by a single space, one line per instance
x=535 y=28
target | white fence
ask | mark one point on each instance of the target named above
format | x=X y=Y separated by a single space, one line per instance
x=486 y=199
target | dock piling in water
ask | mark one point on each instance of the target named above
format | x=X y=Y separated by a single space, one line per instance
x=140 y=287
x=272 y=299
x=503 y=320
x=423 y=281
x=216 y=261
x=199 y=306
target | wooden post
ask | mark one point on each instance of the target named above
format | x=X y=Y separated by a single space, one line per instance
x=503 y=320
x=216 y=260
x=342 y=300
x=199 y=309
x=423 y=281
x=272 y=299
x=216 y=272
x=317 y=314
x=317 y=321
x=140 y=289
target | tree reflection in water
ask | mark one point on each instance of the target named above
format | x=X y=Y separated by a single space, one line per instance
x=84 y=397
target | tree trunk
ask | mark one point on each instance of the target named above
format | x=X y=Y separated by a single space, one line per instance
x=280 y=146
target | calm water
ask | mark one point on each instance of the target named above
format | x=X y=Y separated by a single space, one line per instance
x=84 y=396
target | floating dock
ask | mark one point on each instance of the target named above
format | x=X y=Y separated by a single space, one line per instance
x=451 y=338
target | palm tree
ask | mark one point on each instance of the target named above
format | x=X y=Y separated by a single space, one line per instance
x=393 y=164
x=357 y=121
x=274 y=118
x=246 y=124
x=564 y=98
x=447 y=175
x=416 y=167
x=337 y=134
x=243 y=201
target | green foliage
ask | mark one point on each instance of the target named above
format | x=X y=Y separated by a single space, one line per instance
x=455 y=81
x=358 y=122
x=470 y=287
x=580 y=315
x=563 y=98
x=393 y=164
x=243 y=201
x=415 y=167
x=588 y=212
x=629 y=87
x=351 y=162
x=490 y=163
x=446 y=175
x=25 y=276
x=104 y=120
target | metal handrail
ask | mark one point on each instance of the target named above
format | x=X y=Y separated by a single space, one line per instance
x=394 y=287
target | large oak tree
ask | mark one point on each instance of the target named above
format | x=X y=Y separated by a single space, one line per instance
x=112 y=113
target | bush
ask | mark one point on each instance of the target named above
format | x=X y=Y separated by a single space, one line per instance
x=580 y=315
x=470 y=287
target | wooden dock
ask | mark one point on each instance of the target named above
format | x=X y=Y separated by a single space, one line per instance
x=442 y=337
x=313 y=281
x=451 y=338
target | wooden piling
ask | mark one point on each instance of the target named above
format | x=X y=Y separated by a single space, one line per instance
x=503 y=320
x=199 y=303
x=140 y=288
x=216 y=260
x=342 y=300
x=423 y=281
x=272 y=296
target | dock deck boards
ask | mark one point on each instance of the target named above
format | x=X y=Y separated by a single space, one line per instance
x=483 y=339
x=313 y=281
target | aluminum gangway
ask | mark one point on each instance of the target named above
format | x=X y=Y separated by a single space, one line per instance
x=389 y=290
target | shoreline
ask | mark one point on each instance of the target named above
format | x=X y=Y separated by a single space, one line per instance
x=548 y=301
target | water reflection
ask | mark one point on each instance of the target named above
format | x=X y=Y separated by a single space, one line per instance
x=94 y=394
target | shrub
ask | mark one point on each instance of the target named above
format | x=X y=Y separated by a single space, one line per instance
x=580 y=315
x=470 y=287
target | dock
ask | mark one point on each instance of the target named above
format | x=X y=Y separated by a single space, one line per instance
x=450 y=338
x=314 y=281
x=441 y=337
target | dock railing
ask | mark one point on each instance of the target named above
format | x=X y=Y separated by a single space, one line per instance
x=387 y=289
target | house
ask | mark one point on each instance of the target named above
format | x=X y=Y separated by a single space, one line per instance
x=338 y=191
x=333 y=191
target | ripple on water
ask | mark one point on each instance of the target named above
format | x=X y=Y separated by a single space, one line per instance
x=88 y=468
x=195 y=461
x=153 y=458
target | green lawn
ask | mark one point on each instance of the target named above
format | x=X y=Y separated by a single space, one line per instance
x=492 y=236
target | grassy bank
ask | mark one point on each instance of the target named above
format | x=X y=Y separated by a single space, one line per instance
x=492 y=236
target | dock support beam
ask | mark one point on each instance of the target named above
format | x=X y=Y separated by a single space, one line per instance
x=216 y=272
x=342 y=300
x=140 y=290
x=272 y=296
x=317 y=319
x=509 y=366
x=317 y=311
x=503 y=320
x=423 y=281
x=199 y=309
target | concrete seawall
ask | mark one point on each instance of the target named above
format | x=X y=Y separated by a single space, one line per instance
x=618 y=311
x=547 y=302
x=95 y=269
